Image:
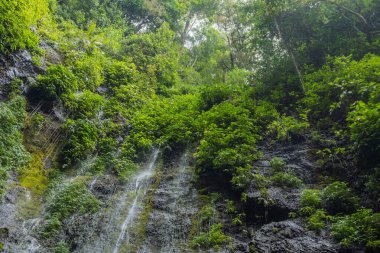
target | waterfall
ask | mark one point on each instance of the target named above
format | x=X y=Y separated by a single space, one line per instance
x=174 y=204
x=141 y=188
x=168 y=223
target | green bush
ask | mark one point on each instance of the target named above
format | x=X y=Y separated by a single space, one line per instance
x=243 y=178
x=206 y=214
x=57 y=81
x=81 y=141
x=287 y=128
x=70 y=199
x=214 y=238
x=338 y=198
x=228 y=139
x=89 y=70
x=373 y=184
x=61 y=248
x=277 y=163
x=84 y=105
x=311 y=198
x=286 y=180
x=124 y=167
x=317 y=220
x=13 y=154
x=51 y=227
x=120 y=73
x=334 y=89
x=364 y=123
x=16 y=19
x=358 y=229
x=214 y=94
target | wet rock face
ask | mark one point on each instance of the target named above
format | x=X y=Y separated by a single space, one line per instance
x=16 y=234
x=16 y=65
x=280 y=203
x=289 y=236
x=173 y=205
x=103 y=187
x=298 y=159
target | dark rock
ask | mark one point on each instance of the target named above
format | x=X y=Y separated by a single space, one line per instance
x=279 y=203
x=104 y=186
x=289 y=236
x=16 y=65
x=298 y=159
x=4 y=233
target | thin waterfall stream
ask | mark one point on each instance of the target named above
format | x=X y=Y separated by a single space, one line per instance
x=173 y=207
x=141 y=188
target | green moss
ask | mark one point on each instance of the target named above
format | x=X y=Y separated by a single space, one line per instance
x=34 y=176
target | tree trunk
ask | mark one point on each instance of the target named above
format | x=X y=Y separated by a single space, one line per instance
x=292 y=56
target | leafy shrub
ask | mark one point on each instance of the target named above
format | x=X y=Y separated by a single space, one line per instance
x=238 y=220
x=230 y=207
x=364 y=126
x=317 y=220
x=277 y=163
x=157 y=54
x=214 y=94
x=206 y=214
x=338 y=198
x=16 y=18
x=214 y=238
x=286 y=128
x=332 y=90
x=311 y=198
x=373 y=184
x=89 y=70
x=264 y=114
x=72 y=198
x=57 y=81
x=360 y=228
x=286 y=180
x=84 y=105
x=61 y=248
x=12 y=151
x=81 y=142
x=120 y=73
x=244 y=178
x=228 y=139
x=124 y=167
x=51 y=227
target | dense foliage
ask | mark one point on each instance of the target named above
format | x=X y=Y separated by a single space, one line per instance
x=222 y=78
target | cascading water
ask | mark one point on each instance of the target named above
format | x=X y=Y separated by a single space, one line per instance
x=113 y=232
x=173 y=206
x=141 y=188
x=120 y=228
